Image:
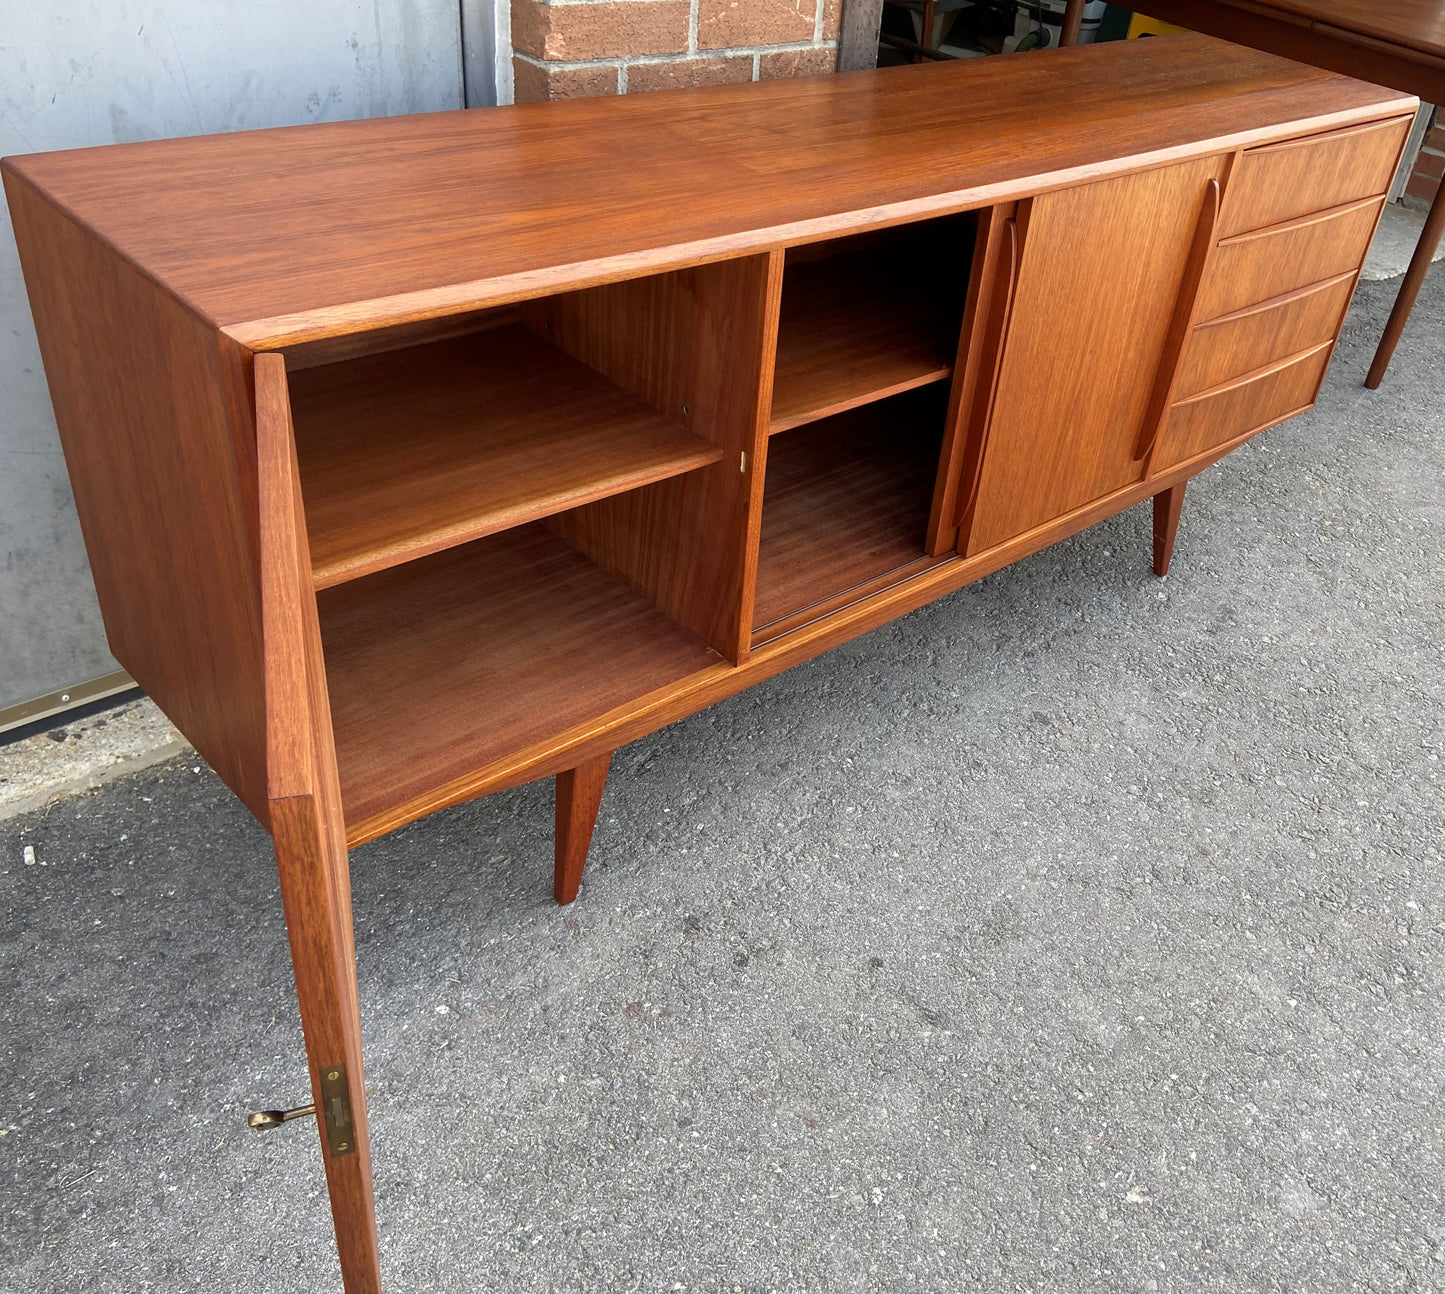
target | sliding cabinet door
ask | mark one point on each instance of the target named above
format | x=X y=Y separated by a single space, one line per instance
x=1099 y=268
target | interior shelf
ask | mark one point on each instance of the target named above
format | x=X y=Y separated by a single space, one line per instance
x=408 y=452
x=442 y=666
x=845 y=508
x=862 y=325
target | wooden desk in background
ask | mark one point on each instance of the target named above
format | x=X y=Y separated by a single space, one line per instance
x=1398 y=43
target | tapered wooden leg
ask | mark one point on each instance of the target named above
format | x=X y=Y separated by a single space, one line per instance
x=579 y=794
x=316 y=892
x=1166 y=525
x=1409 y=289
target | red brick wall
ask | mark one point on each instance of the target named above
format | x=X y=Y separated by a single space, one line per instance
x=581 y=48
x=1424 y=181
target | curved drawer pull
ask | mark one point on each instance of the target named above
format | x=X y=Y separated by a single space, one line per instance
x=1182 y=321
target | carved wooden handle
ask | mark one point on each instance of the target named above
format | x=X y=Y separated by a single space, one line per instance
x=1162 y=394
x=997 y=335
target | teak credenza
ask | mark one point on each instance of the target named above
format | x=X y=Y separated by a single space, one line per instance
x=418 y=458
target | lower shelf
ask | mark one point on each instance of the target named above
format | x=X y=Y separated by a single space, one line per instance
x=845 y=508
x=449 y=663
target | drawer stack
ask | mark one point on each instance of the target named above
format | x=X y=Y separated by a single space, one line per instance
x=1297 y=221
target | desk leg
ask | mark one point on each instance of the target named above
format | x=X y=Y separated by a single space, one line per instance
x=316 y=892
x=1073 y=21
x=1409 y=289
x=579 y=795
x=925 y=33
x=1166 y=525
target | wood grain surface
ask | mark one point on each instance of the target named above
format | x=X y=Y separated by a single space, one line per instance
x=846 y=502
x=997 y=285
x=1246 y=404
x=409 y=452
x=1167 y=507
x=400 y=218
x=1393 y=42
x=1285 y=181
x=1181 y=324
x=307 y=826
x=1406 y=57
x=1410 y=24
x=1101 y=268
x=697 y=343
x=451 y=662
x=867 y=324
x=579 y=796
x=1255 y=267
x=154 y=412
x=1256 y=336
x=995 y=253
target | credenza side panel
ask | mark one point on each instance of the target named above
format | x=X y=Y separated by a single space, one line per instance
x=1101 y=266
x=144 y=395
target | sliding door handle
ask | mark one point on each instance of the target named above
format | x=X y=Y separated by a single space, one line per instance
x=995 y=341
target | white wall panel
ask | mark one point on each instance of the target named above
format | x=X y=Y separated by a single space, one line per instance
x=80 y=72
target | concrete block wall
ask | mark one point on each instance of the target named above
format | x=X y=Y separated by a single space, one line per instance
x=569 y=49
x=1424 y=181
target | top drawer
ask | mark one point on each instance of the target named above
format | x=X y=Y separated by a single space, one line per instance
x=1281 y=181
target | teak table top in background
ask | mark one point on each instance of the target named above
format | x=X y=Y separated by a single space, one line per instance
x=1410 y=24
x=284 y=235
x=1399 y=43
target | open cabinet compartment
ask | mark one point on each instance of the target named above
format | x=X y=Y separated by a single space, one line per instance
x=416 y=449
x=869 y=316
x=517 y=530
x=445 y=665
x=846 y=507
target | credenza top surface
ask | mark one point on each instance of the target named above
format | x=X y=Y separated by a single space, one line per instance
x=306 y=231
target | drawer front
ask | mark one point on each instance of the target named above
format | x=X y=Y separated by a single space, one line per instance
x=1255 y=337
x=1226 y=413
x=1252 y=268
x=1284 y=181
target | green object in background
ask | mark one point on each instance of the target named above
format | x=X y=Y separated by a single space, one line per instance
x=1115 y=24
